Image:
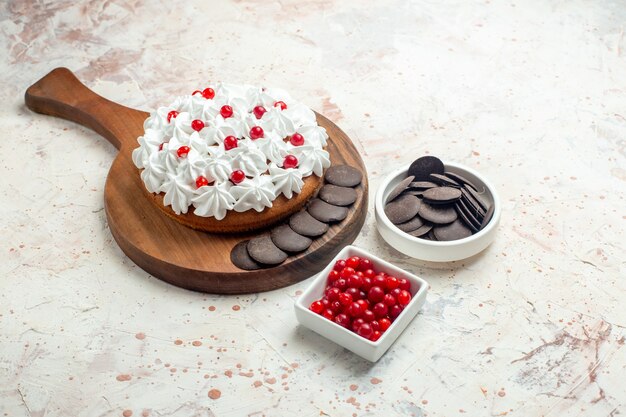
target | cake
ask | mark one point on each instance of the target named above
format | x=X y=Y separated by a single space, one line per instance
x=231 y=158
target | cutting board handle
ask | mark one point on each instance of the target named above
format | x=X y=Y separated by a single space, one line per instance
x=61 y=94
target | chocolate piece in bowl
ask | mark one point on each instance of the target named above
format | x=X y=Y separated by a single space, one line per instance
x=399 y=189
x=437 y=214
x=422 y=167
x=441 y=195
x=444 y=180
x=422 y=185
x=413 y=224
x=422 y=230
x=453 y=231
x=403 y=208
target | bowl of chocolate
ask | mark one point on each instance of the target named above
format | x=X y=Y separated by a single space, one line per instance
x=436 y=211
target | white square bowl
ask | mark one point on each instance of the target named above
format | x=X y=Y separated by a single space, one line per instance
x=372 y=351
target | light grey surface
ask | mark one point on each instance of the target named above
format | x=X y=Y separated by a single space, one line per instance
x=532 y=94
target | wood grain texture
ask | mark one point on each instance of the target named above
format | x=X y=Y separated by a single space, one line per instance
x=163 y=247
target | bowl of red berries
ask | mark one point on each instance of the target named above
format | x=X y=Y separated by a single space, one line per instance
x=361 y=302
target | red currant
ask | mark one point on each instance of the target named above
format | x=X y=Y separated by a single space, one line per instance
x=362 y=295
x=259 y=111
x=375 y=294
x=356 y=324
x=355 y=281
x=404 y=297
x=333 y=276
x=328 y=313
x=296 y=139
x=317 y=307
x=366 y=283
x=341 y=283
x=345 y=299
x=208 y=93
x=339 y=265
x=201 y=181
x=365 y=330
x=346 y=272
x=380 y=309
x=375 y=335
x=342 y=319
x=333 y=293
x=171 y=115
x=395 y=293
x=375 y=324
x=290 y=162
x=363 y=303
x=280 y=104
x=379 y=281
x=389 y=300
x=353 y=262
x=182 y=151
x=237 y=176
x=355 y=309
x=369 y=273
x=197 y=125
x=368 y=315
x=335 y=306
x=365 y=264
x=404 y=284
x=391 y=283
x=230 y=142
x=256 y=132
x=354 y=293
x=384 y=324
x=226 y=111
x=395 y=311
x=325 y=302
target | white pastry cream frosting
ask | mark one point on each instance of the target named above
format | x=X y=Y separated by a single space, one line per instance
x=224 y=149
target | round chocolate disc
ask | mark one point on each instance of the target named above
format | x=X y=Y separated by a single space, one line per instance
x=465 y=216
x=325 y=212
x=444 y=180
x=441 y=195
x=460 y=179
x=304 y=224
x=413 y=224
x=240 y=257
x=337 y=196
x=263 y=250
x=422 y=167
x=422 y=185
x=286 y=239
x=402 y=209
x=478 y=197
x=399 y=188
x=421 y=231
x=453 y=231
x=343 y=175
x=437 y=215
x=487 y=217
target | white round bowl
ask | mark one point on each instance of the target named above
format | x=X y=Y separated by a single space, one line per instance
x=433 y=251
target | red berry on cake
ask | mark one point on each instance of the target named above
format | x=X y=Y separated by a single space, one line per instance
x=280 y=104
x=196 y=92
x=226 y=111
x=197 y=125
x=171 y=115
x=296 y=139
x=290 y=162
x=259 y=111
x=256 y=132
x=230 y=142
x=182 y=151
x=201 y=181
x=161 y=147
x=208 y=93
x=237 y=176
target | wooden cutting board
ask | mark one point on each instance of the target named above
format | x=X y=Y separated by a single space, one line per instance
x=166 y=249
